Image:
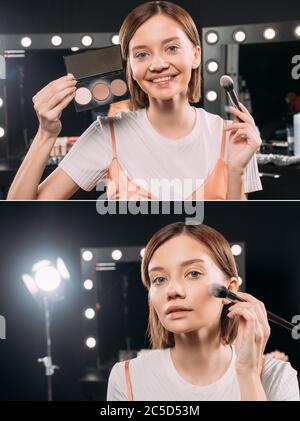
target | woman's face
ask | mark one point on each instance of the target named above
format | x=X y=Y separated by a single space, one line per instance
x=180 y=273
x=160 y=48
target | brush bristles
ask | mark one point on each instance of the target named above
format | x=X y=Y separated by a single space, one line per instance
x=226 y=82
x=219 y=291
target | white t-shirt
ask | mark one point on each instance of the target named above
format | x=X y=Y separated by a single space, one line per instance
x=155 y=378
x=146 y=155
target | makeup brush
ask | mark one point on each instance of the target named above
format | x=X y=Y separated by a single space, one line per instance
x=227 y=83
x=220 y=291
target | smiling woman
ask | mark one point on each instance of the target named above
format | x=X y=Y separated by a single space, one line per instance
x=166 y=148
x=204 y=348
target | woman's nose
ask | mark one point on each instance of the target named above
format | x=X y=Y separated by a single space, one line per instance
x=158 y=63
x=175 y=289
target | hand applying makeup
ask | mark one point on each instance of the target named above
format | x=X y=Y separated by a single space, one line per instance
x=244 y=140
x=253 y=334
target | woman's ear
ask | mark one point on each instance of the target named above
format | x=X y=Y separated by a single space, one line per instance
x=232 y=285
x=197 y=57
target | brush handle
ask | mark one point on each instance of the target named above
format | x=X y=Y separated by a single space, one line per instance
x=280 y=321
x=271 y=316
x=234 y=99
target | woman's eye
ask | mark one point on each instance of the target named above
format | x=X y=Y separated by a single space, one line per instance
x=158 y=281
x=173 y=48
x=140 y=55
x=195 y=274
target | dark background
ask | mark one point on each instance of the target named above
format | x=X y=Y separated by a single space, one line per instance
x=36 y=231
x=267 y=69
x=100 y=16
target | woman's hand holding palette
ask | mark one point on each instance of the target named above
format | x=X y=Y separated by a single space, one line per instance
x=101 y=77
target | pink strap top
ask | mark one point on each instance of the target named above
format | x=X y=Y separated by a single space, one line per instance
x=128 y=381
x=121 y=187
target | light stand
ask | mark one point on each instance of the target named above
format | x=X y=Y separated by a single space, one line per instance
x=47 y=361
x=45 y=284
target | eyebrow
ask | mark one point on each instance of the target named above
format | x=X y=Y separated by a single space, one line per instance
x=163 y=42
x=182 y=264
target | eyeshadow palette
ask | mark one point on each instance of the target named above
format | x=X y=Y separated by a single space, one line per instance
x=101 y=78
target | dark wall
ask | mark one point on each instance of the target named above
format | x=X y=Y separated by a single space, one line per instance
x=101 y=16
x=34 y=231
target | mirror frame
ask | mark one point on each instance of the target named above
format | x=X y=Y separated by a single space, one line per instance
x=218 y=52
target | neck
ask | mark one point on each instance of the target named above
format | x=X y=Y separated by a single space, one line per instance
x=174 y=118
x=200 y=356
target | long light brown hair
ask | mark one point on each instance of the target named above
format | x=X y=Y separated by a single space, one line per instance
x=131 y=24
x=222 y=254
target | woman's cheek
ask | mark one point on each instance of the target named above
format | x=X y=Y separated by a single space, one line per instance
x=138 y=71
x=155 y=299
x=152 y=297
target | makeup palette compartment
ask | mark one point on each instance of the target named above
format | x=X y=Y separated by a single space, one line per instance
x=101 y=77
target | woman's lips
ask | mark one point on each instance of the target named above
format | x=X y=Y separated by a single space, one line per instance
x=178 y=314
x=163 y=82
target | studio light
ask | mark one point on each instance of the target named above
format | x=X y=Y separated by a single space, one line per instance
x=74 y=49
x=89 y=313
x=46 y=276
x=269 y=33
x=87 y=256
x=115 y=39
x=297 y=31
x=116 y=255
x=240 y=280
x=62 y=269
x=212 y=37
x=56 y=40
x=30 y=284
x=26 y=42
x=2 y=132
x=211 y=96
x=212 y=66
x=47 y=279
x=40 y=264
x=236 y=250
x=90 y=342
x=1 y=102
x=45 y=285
x=87 y=41
x=88 y=284
x=142 y=252
x=239 y=36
